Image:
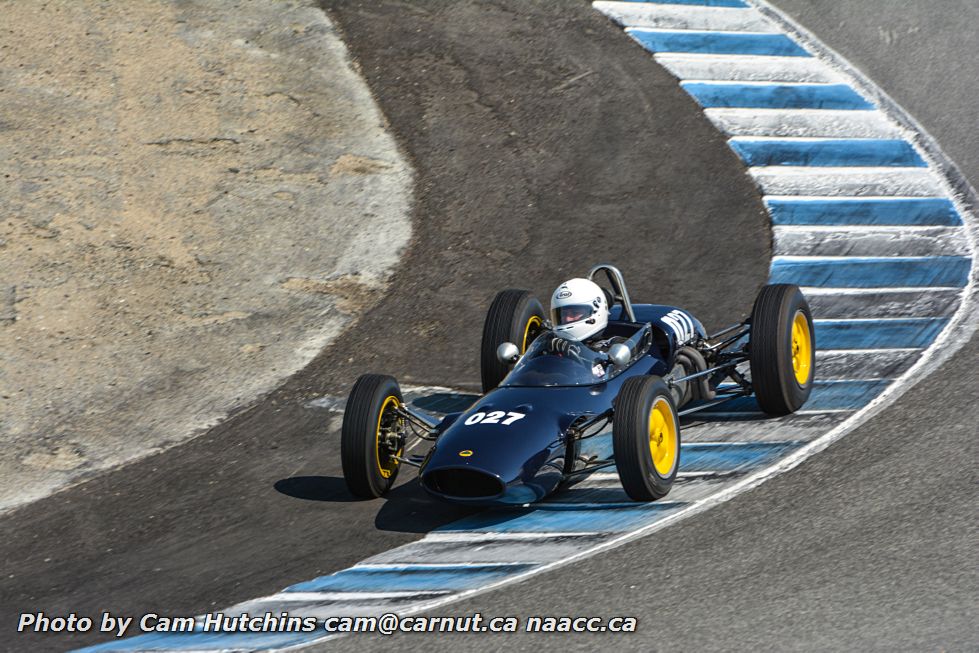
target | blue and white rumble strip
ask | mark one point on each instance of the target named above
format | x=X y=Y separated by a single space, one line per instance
x=864 y=219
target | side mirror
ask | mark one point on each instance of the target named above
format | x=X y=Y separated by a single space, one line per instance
x=619 y=354
x=507 y=353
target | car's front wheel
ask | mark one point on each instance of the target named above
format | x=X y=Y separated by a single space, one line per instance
x=371 y=436
x=646 y=438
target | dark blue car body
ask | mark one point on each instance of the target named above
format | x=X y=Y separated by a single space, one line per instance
x=480 y=458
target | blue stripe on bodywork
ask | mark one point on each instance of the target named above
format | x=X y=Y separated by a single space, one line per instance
x=912 y=332
x=409 y=578
x=542 y=520
x=776 y=96
x=927 y=211
x=843 y=152
x=717 y=42
x=857 y=272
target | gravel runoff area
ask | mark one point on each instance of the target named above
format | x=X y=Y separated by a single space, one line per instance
x=197 y=197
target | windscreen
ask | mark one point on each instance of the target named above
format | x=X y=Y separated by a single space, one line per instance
x=541 y=366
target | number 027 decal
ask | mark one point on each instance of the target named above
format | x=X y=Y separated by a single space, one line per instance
x=494 y=417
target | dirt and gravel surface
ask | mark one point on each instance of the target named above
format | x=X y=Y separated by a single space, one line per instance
x=544 y=142
x=192 y=206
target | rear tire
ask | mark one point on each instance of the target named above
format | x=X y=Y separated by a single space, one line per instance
x=646 y=438
x=783 y=349
x=514 y=316
x=368 y=467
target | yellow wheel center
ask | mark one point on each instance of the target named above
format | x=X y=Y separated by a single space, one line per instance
x=662 y=437
x=801 y=348
x=532 y=328
x=388 y=464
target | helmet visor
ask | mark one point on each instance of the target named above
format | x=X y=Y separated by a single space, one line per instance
x=572 y=313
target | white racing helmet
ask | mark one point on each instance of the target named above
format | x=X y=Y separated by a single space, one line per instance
x=579 y=309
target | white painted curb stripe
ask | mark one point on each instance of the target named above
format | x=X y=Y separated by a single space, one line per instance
x=685 y=17
x=747 y=68
x=851 y=182
x=870 y=242
x=827 y=123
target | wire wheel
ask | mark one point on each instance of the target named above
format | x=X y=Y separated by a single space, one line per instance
x=372 y=436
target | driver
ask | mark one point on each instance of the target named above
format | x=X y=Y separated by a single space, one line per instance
x=579 y=310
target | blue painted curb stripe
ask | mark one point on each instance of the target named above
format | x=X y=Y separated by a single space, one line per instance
x=704 y=457
x=828 y=152
x=878 y=334
x=843 y=395
x=776 y=96
x=826 y=395
x=198 y=641
x=853 y=272
x=357 y=579
x=930 y=211
x=535 y=520
x=717 y=42
x=563 y=502
x=587 y=496
x=702 y=3
x=726 y=457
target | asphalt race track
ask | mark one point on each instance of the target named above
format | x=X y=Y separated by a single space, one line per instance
x=526 y=176
x=530 y=127
x=870 y=545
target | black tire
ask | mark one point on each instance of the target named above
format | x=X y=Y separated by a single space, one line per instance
x=367 y=467
x=783 y=365
x=643 y=477
x=514 y=316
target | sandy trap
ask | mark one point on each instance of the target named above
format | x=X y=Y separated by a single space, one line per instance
x=192 y=208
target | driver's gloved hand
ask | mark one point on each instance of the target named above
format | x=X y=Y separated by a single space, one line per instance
x=560 y=345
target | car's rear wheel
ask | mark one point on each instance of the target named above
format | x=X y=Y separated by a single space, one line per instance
x=783 y=349
x=371 y=435
x=514 y=316
x=646 y=438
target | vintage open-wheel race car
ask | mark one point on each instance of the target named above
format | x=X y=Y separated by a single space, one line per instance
x=522 y=438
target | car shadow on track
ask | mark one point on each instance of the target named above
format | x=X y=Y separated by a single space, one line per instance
x=408 y=509
x=316 y=488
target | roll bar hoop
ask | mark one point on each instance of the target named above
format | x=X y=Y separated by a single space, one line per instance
x=618 y=286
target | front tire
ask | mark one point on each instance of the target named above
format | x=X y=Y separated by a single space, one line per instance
x=514 y=316
x=370 y=422
x=646 y=438
x=783 y=349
